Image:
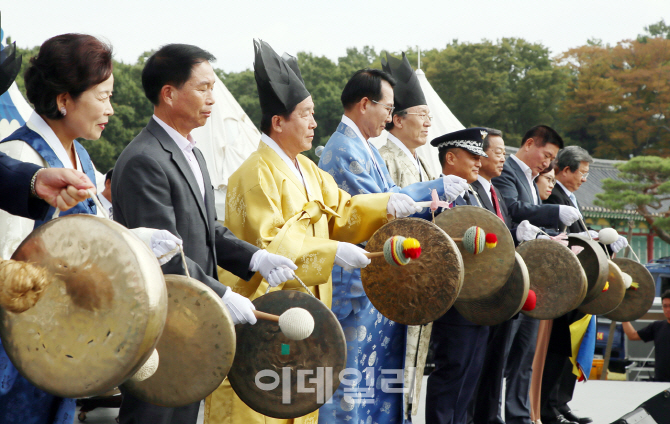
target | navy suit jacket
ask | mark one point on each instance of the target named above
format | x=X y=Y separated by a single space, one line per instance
x=15 y=195
x=516 y=191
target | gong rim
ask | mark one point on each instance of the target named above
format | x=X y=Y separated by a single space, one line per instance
x=609 y=300
x=485 y=273
x=99 y=318
x=423 y=290
x=635 y=303
x=260 y=347
x=594 y=261
x=502 y=305
x=556 y=277
x=198 y=326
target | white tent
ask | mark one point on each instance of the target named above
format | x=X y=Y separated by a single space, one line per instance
x=226 y=140
x=443 y=122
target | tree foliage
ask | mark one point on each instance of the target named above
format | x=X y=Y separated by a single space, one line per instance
x=618 y=102
x=645 y=186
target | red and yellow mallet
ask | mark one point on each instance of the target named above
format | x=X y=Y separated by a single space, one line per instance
x=398 y=250
x=475 y=240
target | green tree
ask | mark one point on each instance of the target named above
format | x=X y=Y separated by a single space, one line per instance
x=618 y=101
x=511 y=85
x=644 y=184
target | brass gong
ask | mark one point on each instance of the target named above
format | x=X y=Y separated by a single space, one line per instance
x=424 y=289
x=501 y=305
x=594 y=262
x=488 y=271
x=100 y=317
x=268 y=365
x=555 y=275
x=607 y=301
x=635 y=303
x=196 y=349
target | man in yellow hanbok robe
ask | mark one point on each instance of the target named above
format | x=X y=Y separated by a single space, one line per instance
x=281 y=200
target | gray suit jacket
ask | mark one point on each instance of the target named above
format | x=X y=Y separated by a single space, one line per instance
x=516 y=192
x=153 y=186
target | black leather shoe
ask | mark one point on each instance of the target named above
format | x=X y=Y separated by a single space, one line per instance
x=559 y=420
x=572 y=417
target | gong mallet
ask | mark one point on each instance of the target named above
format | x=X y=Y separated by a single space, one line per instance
x=398 y=250
x=295 y=323
x=475 y=240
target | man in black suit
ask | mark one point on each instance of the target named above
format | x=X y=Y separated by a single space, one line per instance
x=458 y=344
x=161 y=181
x=558 y=381
x=539 y=147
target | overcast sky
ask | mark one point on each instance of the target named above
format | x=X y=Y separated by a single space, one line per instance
x=226 y=28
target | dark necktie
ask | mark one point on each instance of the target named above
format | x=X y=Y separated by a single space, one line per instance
x=496 y=205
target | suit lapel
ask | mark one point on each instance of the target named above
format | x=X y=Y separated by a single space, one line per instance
x=207 y=182
x=483 y=196
x=182 y=164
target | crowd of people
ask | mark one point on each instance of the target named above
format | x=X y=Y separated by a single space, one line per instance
x=287 y=216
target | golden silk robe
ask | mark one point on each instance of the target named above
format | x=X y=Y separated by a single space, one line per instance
x=267 y=205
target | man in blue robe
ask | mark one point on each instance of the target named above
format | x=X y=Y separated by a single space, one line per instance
x=375 y=345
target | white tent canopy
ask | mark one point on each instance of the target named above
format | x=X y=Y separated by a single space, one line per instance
x=443 y=122
x=226 y=140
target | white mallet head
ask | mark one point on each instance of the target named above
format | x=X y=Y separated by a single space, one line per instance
x=608 y=235
x=627 y=280
x=148 y=369
x=296 y=323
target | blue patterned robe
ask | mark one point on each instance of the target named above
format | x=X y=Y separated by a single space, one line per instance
x=375 y=344
x=20 y=401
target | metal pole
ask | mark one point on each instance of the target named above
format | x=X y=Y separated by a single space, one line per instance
x=419 y=60
x=608 y=350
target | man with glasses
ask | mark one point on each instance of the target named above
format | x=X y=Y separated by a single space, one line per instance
x=374 y=343
x=408 y=129
x=558 y=381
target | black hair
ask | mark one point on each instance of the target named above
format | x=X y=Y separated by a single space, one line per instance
x=67 y=63
x=442 y=154
x=108 y=175
x=266 y=120
x=543 y=134
x=364 y=83
x=665 y=295
x=391 y=125
x=172 y=64
x=490 y=132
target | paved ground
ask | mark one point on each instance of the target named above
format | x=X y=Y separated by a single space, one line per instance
x=604 y=401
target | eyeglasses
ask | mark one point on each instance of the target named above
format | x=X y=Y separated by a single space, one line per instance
x=421 y=115
x=389 y=108
x=584 y=175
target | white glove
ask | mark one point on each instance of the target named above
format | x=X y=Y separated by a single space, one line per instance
x=526 y=231
x=593 y=234
x=401 y=205
x=568 y=214
x=162 y=242
x=241 y=309
x=275 y=269
x=619 y=244
x=350 y=256
x=454 y=186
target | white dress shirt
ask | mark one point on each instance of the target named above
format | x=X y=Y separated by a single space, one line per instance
x=487 y=186
x=106 y=204
x=292 y=165
x=529 y=176
x=572 y=197
x=186 y=146
x=414 y=157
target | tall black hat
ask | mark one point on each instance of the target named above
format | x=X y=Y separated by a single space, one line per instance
x=280 y=85
x=407 y=91
x=470 y=139
x=10 y=64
